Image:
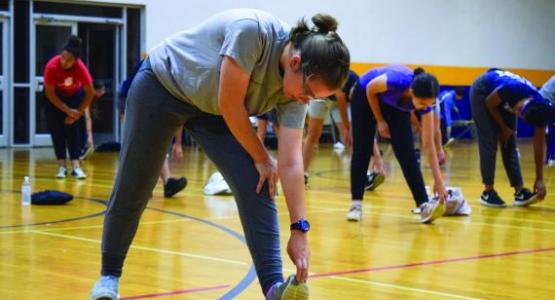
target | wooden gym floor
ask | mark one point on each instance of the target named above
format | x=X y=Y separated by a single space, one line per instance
x=191 y=246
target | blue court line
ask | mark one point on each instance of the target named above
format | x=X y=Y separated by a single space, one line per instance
x=251 y=274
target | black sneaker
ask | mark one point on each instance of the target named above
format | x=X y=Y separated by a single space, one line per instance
x=174 y=186
x=305 y=179
x=491 y=199
x=373 y=180
x=525 y=197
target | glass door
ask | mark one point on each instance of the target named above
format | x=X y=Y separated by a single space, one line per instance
x=50 y=37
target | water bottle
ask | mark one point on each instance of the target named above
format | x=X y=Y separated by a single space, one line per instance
x=26 y=192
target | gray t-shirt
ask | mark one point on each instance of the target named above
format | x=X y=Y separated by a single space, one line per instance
x=548 y=89
x=188 y=63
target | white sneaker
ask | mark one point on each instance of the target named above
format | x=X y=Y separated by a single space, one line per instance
x=217 y=185
x=355 y=213
x=431 y=210
x=449 y=143
x=62 y=172
x=416 y=211
x=78 y=173
x=551 y=163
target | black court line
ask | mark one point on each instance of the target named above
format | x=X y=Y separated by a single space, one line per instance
x=55 y=221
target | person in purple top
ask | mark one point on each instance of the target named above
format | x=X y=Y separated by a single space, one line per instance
x=497 y=97
x=384 y=98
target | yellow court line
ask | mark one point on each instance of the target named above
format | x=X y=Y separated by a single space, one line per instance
x=189 y=255
x=404 y=288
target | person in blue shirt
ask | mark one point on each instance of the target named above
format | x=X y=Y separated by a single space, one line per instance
x=447 y=104
x=548 y=92
x=497 y=97
x=384 y=98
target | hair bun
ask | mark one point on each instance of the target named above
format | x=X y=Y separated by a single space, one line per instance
x=324 y=23
x=418 y=71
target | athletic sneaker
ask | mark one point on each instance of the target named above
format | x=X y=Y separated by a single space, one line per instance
x=491 y=199
x=106 y=288
x=216 y=185
x=355 y=213
x=174 y=186
x=288 y=290
x=78 y=173
x=416 y=211
x=62 y=172
x=305 y=179
x=551 y=162
x=86 y=152
x=525 y=197
x=449 y=142
x=431 y=210
x=373 y=180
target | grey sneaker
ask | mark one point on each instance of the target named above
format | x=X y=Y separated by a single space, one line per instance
x=431 y=210
x=289 y=290
x=355 y=213
x=106 y=288
x=62 y=172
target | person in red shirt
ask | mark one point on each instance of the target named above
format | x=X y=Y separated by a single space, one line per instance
x=68 y=87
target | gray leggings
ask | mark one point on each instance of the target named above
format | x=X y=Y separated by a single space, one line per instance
x=152 y=116
x=488 y=137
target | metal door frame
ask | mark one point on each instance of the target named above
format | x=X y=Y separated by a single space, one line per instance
x=4 y=84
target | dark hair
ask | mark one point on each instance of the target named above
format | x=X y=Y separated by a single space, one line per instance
x=323 y=53
x=73 y=45
x=419 y=71
x=539 y=112
x=424 y=85
x=459 y=91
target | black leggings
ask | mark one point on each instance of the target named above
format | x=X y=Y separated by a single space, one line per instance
x=65 y=136
x=364 y=130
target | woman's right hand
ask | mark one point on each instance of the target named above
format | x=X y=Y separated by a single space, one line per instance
x=506 y=134
x=440 y=191
x=74 y=114
x=383 y=129
x=268 y=171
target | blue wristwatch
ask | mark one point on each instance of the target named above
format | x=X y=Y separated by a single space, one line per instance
x=302 y=225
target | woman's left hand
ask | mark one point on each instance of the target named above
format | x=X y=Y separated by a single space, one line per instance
x=299 y=253
x=539 y=189
x=346 y=137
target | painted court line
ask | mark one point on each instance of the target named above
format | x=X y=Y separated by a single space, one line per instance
x=405 y=288
x=181 y=292
x=189 y=255
x=434 y=262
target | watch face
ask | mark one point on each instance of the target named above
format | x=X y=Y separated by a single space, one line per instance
x=301 y=225
x=305 y=226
